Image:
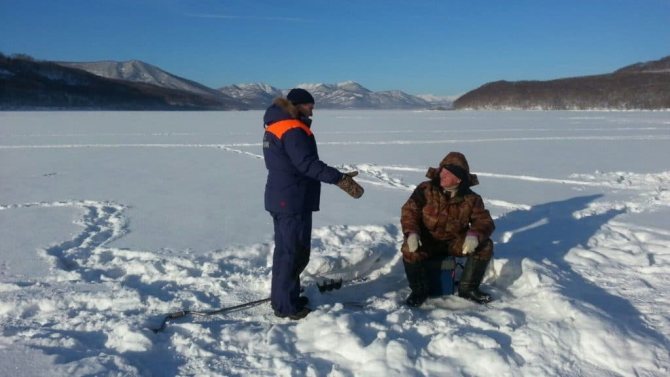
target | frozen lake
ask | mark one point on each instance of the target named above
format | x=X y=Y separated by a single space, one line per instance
x=109 y=218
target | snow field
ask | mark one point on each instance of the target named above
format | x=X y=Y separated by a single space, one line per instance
x=579 y=275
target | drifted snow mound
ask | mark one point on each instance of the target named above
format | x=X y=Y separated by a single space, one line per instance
x=653 y=189
x=350 y=252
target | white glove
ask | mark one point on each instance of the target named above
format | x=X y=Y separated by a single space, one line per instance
x=470 y=244
x=413 y=242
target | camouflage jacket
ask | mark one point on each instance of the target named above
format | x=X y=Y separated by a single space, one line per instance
x=429 y=212
x=436 y=217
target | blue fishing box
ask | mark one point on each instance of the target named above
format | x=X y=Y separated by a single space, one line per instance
x=441 y=276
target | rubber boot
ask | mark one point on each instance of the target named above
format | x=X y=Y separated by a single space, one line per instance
x=300 y=314
x=471 y=278
x=418 y=283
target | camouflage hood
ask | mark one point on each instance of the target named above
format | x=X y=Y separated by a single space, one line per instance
x=457 y=164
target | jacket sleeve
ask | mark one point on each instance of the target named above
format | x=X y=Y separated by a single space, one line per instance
x=303 y=155
x=411 y=212
x=481 y=221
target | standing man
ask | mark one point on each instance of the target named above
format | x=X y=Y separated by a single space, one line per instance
x=292 y=193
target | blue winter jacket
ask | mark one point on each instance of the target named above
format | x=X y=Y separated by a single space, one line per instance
x=295 y=171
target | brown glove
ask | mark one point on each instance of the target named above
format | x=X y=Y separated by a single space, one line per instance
x=348 y=185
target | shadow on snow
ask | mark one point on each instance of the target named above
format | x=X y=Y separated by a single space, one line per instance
x=547 y=233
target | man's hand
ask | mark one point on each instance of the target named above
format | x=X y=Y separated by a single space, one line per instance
x=470 y=244
x=413 y=242
x=348 y=185
x=412 y=253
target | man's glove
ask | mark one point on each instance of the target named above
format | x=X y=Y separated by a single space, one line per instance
x=411 y=253
x=348 y=185
x=413 y=242
x=470 y=244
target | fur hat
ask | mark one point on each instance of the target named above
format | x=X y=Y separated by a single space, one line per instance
x=458 y=165
x=298 y=96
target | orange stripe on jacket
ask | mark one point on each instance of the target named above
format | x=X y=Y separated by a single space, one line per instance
x=280 y=128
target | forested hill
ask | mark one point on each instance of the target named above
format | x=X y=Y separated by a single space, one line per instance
x=27 y=84
x=638 y=86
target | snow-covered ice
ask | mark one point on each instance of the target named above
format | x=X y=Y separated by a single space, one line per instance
x=109 y=220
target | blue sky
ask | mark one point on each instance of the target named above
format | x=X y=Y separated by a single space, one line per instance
x=438 y=47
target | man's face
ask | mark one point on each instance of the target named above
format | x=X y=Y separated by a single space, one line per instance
x=448 y=179
x=305 y=109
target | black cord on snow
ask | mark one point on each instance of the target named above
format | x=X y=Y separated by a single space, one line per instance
x=204 y=313
x=324 y=286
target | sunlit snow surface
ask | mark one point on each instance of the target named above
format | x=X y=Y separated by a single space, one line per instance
x=108 y=220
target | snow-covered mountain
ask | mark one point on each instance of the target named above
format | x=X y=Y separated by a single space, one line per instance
x=255 y=95
x=139 y=71
x=352 y=95
x=28 y=84
x=439 y=102
x=344 y=95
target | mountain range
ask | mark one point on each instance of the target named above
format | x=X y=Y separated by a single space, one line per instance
x=26 y=84
x=346 y=95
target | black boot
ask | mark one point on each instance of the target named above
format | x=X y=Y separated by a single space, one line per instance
x=300 y=314
x=418 y=283
x=473 y=274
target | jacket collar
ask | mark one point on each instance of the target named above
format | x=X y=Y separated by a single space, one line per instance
x=283 y=109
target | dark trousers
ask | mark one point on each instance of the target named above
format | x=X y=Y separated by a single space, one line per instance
x=419 y=272
x=293 y=235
